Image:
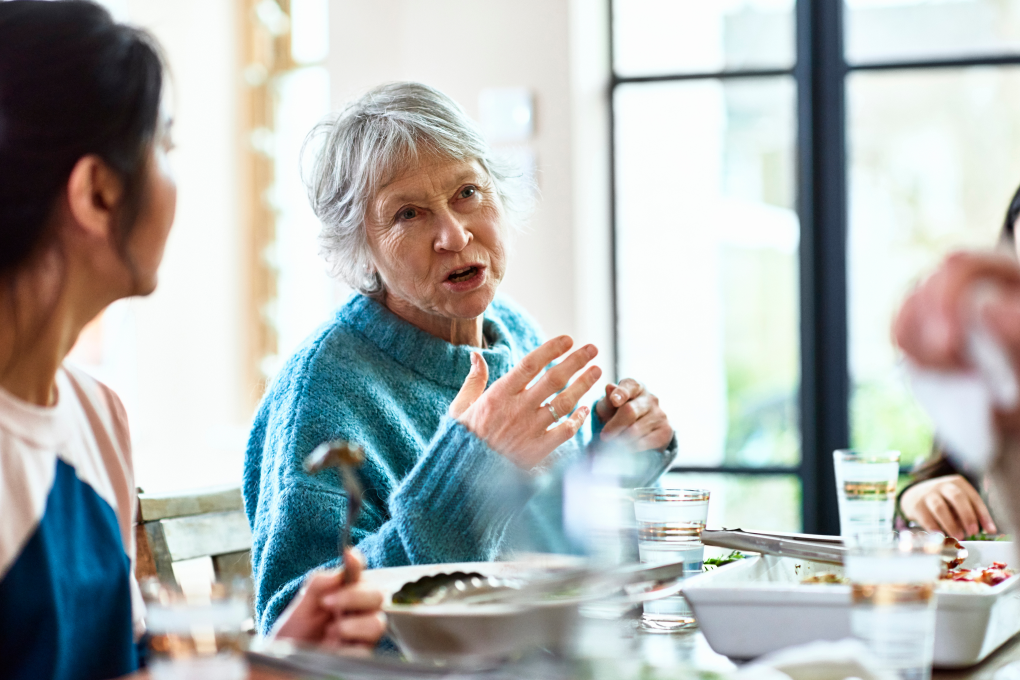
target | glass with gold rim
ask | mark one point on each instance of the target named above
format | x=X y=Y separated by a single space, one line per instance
x=866 y=489
x=669 y=524
x=892 y=589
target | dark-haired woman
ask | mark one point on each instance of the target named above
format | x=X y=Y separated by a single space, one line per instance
x=86 y=204
x=942 y=496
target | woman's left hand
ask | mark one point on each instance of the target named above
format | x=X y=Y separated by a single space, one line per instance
x=948 y=504
x=632 y=413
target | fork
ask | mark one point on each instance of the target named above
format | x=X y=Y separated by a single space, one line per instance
x=346 y=457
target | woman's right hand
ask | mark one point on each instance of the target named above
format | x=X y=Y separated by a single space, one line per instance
x=510 y=416
x=335 y=609
x=948 y=504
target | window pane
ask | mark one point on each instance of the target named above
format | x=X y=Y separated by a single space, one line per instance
x=678 y=36
x=887 y=30
x=934 y=160
x=761 y=503
x=707 y=262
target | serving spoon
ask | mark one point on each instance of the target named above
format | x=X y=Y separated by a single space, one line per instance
x=828 y=549
x=346 y=457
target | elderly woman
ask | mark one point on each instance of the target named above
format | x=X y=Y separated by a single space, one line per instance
x=441 y=381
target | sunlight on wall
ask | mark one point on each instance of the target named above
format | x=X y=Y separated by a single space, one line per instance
x=305 y=294
x=174 y=356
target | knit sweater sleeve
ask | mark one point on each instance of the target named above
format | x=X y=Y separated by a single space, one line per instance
x=453 y=506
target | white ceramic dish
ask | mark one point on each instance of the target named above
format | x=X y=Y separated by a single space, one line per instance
x=759 y=605
x=466 y=633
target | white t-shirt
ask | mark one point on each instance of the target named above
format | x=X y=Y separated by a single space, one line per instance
x=67 y=513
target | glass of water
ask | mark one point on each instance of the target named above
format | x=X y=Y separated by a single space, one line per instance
x=892 y=580
x=669 y=524
x=866 y=489
x=197 y=633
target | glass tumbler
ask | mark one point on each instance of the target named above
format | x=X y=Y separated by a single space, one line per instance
x=197 y=635
x=866 y=489
x=669 y=524
x=892 y=581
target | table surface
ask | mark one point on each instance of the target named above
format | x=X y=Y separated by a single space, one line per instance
x=693 y=649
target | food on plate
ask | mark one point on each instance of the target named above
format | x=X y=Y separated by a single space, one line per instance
x=826 y=577
x=715 y=562
x=955 y=579
x=982 y=536
x=949 y=545
x=416 y=592
x=990 y=576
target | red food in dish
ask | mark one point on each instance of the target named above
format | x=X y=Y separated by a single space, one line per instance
x=992 y=576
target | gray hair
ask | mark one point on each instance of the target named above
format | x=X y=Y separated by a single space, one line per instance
x=371 y=141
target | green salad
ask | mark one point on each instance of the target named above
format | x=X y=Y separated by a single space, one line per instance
x=715 y=562
x=983 y=536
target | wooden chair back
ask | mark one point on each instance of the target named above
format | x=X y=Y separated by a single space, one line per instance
x=205 y=523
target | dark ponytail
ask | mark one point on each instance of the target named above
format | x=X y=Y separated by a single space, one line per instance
x=72 y=82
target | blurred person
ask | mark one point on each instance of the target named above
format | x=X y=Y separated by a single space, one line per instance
x=930 y=329
x=943 y=496
x=436 y=376
x=87 y=200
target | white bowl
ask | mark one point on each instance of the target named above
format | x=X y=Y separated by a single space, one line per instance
x=465 y=633
x=983 y=553
x=759 y=605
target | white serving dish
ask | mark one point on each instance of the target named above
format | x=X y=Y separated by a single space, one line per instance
x=466 y=633
x=759 y=605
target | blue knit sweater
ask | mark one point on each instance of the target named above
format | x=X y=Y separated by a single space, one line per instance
x=434 y=492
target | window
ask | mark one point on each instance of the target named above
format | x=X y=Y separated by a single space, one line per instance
x=783 y=172
x=707 y=240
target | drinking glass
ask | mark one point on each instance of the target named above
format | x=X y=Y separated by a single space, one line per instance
x=197 y=634
x=892 y=580
x=669 y=523
x=866 y=488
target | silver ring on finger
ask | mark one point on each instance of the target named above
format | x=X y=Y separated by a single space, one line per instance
x=552 y=410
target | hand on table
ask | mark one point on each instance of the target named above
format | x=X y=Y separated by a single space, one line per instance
x=335 y=609
x=632 y=413
x=948 y=504
x=511 y=416
x=930 y=326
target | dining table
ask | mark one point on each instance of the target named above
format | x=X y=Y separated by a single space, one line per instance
x=682 y=651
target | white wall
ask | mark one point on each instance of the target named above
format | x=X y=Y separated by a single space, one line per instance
x=176 y=357
x=555 y=48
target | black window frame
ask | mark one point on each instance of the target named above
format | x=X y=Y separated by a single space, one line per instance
x=820 y=73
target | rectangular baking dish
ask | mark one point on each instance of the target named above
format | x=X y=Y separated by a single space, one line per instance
x=759 y=605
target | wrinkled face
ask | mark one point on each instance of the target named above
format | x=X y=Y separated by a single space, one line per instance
x=159 y=201
x=437 y=239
